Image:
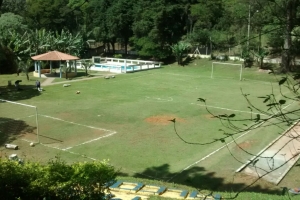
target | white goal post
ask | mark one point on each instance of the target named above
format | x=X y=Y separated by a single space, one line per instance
x=221 y=63
x=13 y=114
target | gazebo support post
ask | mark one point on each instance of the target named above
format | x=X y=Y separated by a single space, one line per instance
x=60 y=74
x=35 y=66
x=39 y=68
x=50 y=66
x=75 y=66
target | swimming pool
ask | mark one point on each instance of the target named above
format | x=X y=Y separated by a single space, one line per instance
x=117 y=65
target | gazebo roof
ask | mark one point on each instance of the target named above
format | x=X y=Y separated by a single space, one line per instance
x=54 y=55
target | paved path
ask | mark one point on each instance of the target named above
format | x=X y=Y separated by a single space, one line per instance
x=49 y=81
x=285 y=151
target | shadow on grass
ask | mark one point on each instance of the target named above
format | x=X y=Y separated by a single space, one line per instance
x=10 y=129
x=201 y=178
x=12 y=94
x=188 y=60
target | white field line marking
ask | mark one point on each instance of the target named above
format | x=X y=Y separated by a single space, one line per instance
x=215 y=151
x=222 y=78
x=57 y=148
x=27 y=140
x=90 y=141
x=2 y=122
x=68 y=151
x=157 y=99
x=92 y=127
x=226 y=109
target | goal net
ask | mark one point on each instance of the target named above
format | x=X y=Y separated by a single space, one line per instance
x=226 y=70
x=18 y=121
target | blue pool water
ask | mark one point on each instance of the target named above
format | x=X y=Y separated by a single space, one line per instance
x=117 y=67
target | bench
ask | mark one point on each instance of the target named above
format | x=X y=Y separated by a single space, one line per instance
x=160 y=190
x=217 y=197
x=138 y=187
x=136 y=198
x=116 y=185
x=183 y=194
x=193 y=194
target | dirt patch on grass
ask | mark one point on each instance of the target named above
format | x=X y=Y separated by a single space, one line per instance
x=209 y=116
x=163 y=119
x=246 y=145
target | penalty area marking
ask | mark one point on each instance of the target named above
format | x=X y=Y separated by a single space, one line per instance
x=158 y=99
x=227 y=109
x=92 y=127
x=110 y=133
x=71 y=152
x=90 y=141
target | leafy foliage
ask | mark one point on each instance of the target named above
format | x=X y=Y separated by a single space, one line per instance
x=179 y=49
x=56 y=180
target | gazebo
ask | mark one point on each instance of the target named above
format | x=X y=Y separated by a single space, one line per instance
x=53 y=56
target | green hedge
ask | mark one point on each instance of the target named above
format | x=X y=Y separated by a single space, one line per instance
x=56 y=180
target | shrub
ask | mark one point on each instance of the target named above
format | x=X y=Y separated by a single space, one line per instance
x=117 y=55
x=56 y=180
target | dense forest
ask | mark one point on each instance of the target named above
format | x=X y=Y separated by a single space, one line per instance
x=153 y=28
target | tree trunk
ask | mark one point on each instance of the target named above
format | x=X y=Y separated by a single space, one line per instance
x=261 y=62
x=291 y=9
x=113 y=47
x=125 y=44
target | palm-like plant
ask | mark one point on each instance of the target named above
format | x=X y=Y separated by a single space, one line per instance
x=260 y=55
x=86 y=64
x=179 y=49
x=24 y=66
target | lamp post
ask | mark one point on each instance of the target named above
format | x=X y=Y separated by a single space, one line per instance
x=249 y=18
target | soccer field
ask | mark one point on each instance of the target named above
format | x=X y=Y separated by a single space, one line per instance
x=127 y=119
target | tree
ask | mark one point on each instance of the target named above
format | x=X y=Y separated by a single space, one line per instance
x=52 y=15
x=179 y=49
x=260 y=55
x=13 y=6
x=24 y=66
x=285 y=17
x=86 y=64
x=13 y=22
x=120 y=21
x=152 y=31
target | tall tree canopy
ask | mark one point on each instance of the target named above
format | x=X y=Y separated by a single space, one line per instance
x=151 y=27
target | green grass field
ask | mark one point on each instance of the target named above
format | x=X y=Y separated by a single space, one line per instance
x=126 y=120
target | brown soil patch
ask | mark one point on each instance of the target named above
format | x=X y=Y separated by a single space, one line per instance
x=163 y=119
x=209 y=116
x=245 y=145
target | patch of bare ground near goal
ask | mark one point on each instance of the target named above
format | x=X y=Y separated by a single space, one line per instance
x=163 y=119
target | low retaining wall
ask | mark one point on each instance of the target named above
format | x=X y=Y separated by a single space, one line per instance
x=46 y=73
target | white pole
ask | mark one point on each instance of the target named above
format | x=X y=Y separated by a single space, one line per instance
x=241 y=72
x=37 y=125
x=212 y=70
x=249 y=18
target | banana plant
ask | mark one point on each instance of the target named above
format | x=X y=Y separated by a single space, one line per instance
x=260 y=55
x=40 y=41
x=179 y=49
x=86 y=64
x=24 y=66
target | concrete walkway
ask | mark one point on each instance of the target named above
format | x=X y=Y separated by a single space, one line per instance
x=274 y=162
x=49 y=81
